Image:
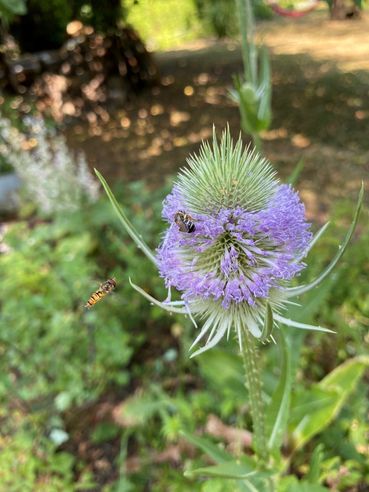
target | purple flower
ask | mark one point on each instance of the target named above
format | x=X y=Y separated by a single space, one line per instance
x=250 y=236
x=245 y=241
x=234 y=255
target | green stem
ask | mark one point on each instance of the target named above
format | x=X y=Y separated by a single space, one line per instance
x=257 y=142
x=250 y=356
x=246 y=18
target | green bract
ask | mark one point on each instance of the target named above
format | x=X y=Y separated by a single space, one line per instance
x=226 y=176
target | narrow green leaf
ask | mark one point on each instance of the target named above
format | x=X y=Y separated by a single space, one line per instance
x=315 y=464
x=208 y=447
x=264 y=90
x=296 y=291
x=231 y=469
x=308 y=402
x=248 y=48
x=302 y=326
x=163 y=305
x=313 y=301
x=125 y=221
x=312 y=410
x=294 y=176
x=265 y=78
x=315 y=239
x=268 y=324
x=278 y=410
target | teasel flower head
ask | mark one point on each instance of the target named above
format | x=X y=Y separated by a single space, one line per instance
x=250 y=233
x=249 y=239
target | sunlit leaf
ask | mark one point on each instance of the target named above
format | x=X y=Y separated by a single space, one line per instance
x=312 y=410
x=227 y=485
x=141 y=407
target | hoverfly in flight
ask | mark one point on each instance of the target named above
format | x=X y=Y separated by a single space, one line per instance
x=104 y=289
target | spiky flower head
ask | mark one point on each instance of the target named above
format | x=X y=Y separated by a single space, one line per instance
x=249 y=238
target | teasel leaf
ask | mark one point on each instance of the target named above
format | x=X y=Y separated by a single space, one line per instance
x=268 y=324
x=297 y=291
x=140 y=243
x=302 y=326
x=163 y=305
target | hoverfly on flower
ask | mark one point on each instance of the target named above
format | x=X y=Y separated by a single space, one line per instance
x=184 y=222
x=104 y=289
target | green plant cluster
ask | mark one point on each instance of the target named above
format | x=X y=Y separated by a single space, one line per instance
x=56 y=356
x=328 y=405
x=59 y=361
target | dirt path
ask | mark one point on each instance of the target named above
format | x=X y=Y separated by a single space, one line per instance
x=320 y=109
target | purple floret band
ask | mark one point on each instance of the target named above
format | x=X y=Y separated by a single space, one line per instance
x=234 y=255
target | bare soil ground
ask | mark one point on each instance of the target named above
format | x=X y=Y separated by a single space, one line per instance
x=320 y=110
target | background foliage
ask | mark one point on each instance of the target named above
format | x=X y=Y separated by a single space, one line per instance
x=58 y=358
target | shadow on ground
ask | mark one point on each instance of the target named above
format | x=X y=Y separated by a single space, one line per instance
x=320 y=114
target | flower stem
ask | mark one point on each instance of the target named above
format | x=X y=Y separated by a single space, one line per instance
x=257 y=142
x=247 y=27
x=253 y=382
